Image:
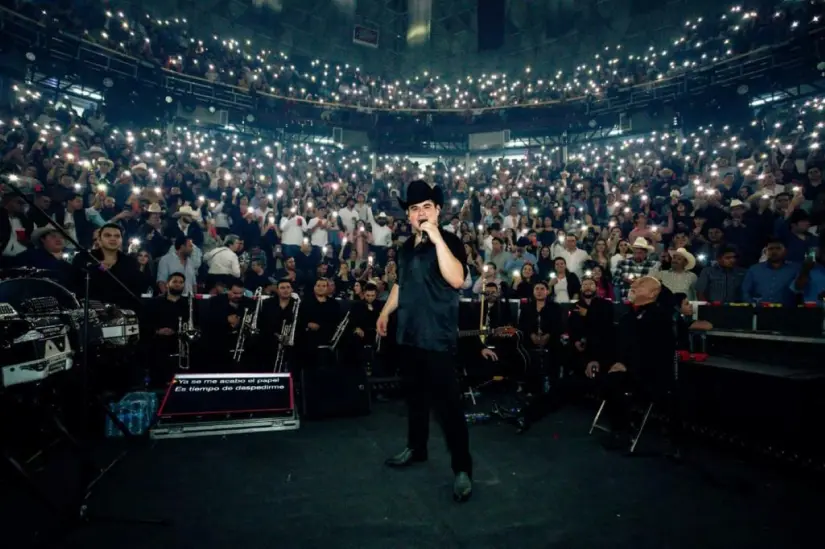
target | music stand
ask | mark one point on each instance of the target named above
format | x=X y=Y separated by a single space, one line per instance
x=78 y=514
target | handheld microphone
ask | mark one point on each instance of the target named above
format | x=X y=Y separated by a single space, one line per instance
x=424 y=236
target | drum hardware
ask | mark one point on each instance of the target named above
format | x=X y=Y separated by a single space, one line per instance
x=286 y=337
x=34 y=347
x=119 y=327
x=248 y=326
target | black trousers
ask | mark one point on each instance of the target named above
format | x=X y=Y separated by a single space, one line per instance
x=431 y=380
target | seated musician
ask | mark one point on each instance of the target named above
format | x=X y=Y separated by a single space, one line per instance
x=481 y=362
x=277 y=320
x=540 y=323
x=221 y=328
x=319 y=319
x=591 y=326
x=592 y=335
x=363 y=316
x=161 y=320
x=497 y=312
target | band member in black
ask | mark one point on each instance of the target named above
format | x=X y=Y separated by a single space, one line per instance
x=541 y=324
x=364 y=315
x=513 y=357
x=431 y=269
x=278 y=318
x=221 y=327
x=102 y=286
x=320 y=317
x=591 y=325
x=497 y=312
x=161 y=320
x=592 y=333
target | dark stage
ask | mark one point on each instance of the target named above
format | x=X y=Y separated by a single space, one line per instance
x=325 y=486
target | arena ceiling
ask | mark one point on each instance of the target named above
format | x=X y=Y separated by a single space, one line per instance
x=538 y=33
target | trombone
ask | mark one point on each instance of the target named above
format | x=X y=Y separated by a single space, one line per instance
x=287 y=336
x=248 y=327
x=187 y=335
x=339 y=332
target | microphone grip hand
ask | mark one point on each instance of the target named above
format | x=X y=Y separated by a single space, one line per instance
x=426 y=227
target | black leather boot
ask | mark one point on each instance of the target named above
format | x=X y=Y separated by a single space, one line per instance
x=462 y=487
x=405 y=458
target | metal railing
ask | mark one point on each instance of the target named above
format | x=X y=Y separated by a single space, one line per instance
x=27 y=33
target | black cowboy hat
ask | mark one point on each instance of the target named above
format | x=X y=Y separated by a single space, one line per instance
x=420 y=191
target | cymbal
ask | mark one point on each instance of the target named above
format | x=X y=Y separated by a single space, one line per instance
x=22 y=272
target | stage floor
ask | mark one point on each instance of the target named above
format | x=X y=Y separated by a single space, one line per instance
x=554 y=487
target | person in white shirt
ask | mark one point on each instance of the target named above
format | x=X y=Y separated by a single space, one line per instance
x=453 y=226
x=223 y=261
x=574 y=256
x=680 y=278
x=381 y=238
x=349 y=216
x=318 y=235
x=364 y=210
x=495 y=232
x=512 y=220
x=292 y=233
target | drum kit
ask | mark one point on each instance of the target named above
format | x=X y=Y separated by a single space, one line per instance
x=44 y=328
x=42 y=325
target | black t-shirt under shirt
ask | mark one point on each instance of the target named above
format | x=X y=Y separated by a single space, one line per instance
x=427 y=304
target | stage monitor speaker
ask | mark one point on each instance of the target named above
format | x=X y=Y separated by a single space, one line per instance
x=491 y=14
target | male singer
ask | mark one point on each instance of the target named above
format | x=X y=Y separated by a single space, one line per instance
x=431 y=268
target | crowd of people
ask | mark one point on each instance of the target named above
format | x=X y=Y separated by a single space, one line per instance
x=721 y=215
x=172 y=44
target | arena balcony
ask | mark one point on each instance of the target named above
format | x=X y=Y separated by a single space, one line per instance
x=52 y=53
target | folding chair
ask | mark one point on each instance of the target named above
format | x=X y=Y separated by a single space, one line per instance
x=635 y=440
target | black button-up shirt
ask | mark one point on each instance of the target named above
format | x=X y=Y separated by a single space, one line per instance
x=427 y=304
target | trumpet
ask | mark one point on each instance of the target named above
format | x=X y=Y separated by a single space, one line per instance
x=187 y=334
x=248 y=326
x=287 y=335
x=339 y=331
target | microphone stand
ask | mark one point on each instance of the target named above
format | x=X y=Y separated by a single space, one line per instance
x=89 y=474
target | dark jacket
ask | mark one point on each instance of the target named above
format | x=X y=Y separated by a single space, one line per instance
x=103 y=286
x=596 y=328
x=646 y=344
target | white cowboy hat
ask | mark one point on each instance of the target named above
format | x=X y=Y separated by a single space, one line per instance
x=186 y=210
x=382 y=215
x=737 y=204
x=139 y=166
x=40 y=232
x=641 y=242
x=689 y=257
x=154 y=208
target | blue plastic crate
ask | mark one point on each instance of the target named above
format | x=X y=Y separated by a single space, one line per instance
x=136 y=411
